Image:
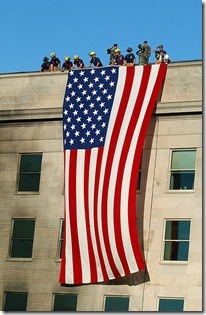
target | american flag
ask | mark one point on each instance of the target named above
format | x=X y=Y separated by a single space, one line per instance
x=106 y=113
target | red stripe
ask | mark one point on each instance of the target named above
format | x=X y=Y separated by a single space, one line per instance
x=135 y=167
x=93 y=268
x=77 y=267
x=96 y=193
x=110 y=157
x=123 y=158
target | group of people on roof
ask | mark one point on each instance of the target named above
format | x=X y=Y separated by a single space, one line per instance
x=116 y=58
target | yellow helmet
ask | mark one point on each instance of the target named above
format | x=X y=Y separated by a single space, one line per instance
x=117 y=50
x=76 y=57
x=53 y=55
x=67 y=58
x=92 y=53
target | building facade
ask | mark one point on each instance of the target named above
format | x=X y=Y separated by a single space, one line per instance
x=169 y=200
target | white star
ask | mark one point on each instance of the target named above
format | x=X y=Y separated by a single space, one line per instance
x=80 y=86
x=92 y=71
x=67 y=134
x=113 y=70
x=73 y=93
x=78 y=99
x=65 y=126
x=73 y=127
x=67 y=99
x=71 y=141
x=71 y=72
x=94 y=92
x=83 y=126
x=88 y=98
x=91 y=105
x=81 y=73
x=91 y=140
x=98 y=98
x=95 y=112
x=101 y=85
x=66 y=112
x=81 y=105
x=69 y=85
x=88 y=133
x=101 y=139
x=71 y=106
x=91 y=85
x=89 y=119
x=96 y=79
x=104 y=91
x=75 y=112
x=82 y=140
x=75 y=80
x=78 y=119
x=93 y=126
x=106 y=111
x=111 y=83
x=68 y=119
x=107 y=77
x=103 y=72
x=84 y=92
x=85 y=111
x=101 y=104
x=97 y=132
x=76 y=133
x=109 y=97
x=85 y=79
x=103 y=125
x=99 y=118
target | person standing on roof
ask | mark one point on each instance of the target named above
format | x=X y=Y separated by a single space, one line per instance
x=129 y=59
x=112 y=53
x=118 y=59
x=144 y=53
x=54 y=63
x=95 y=60
x=159 y=54
x=78 y=62
x=45 y=65
x=67 y=65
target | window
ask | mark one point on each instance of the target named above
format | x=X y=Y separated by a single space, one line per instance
x=61 y=238
x=65 y=302
x=22 y=238
x=139 y=175
x=15 y=301
x=182 y=169
x=29 y=172
x=176 y=241
x=116 y=304
x=171 y=305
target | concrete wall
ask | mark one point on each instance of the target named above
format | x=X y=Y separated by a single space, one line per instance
x=30 y=121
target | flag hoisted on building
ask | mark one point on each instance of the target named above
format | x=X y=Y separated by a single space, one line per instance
x=106 y=113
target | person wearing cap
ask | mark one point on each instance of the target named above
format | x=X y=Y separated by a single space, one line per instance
x=67 y=65
x=45 y=65
x=78 y=62
x=54 y=62
x=118 y=59
x=144 y=53
x=129 y=59
x=95 y=60
x=112 y=53
x=159 y=54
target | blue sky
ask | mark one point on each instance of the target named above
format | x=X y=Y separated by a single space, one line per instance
x=31 y=30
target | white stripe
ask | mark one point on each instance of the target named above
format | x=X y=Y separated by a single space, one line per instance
x=115 y=107
x=92 y=176
x=69 y=272
x=114 y=171
x=81 y=221
x=129 y=162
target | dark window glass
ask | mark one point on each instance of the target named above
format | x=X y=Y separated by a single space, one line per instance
x=65 y=302
x=182 y=171
x=139 y=175
x=177 y=235
x=116 y=304
x=29 y=172
x=22 y=238
x=15 y=301
x=61 y=239
x=171 y=305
